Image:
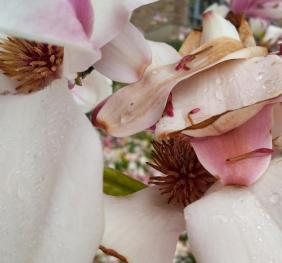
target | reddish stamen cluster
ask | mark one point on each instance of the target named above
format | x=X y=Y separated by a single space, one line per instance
x=32 y=64
x=185 y=179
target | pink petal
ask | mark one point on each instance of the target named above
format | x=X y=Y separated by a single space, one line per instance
x=85 y=13
x=140 y=105
x=142 y=227
x=221 y=89
x=111 y=16
x=240 y=6
x=126 y=57
x=239 y=224
x=268 y=9
x=54 y=21
x=217 y=154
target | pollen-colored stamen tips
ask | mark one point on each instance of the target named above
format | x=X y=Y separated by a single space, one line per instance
x=256 y=153
x=34 y=65
x=185 y=180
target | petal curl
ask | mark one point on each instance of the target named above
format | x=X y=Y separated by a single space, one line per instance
x=140 y=105
x=245 y=222
x=226 y=87
x=126 y=57
x=51 y=171
x=95 y=88
x=216 y=153
x=146 y=218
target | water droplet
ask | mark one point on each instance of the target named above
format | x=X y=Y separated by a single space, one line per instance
x=259 y=227
x=260 y=76
x=219 y=95
x=220 y=219
x=154 y=72
x=218 y=81
x=274 y=198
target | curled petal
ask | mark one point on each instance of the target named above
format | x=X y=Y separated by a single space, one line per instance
x=219 y=90
x=51 y=174
x=215 y=26
x=237 y=157
x=245 y=222
x=146 y=218
x=95 y=88
x=140 y=105
x=126 y=57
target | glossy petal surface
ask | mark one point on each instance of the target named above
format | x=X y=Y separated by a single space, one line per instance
x=221 y=89
x=51 y=179
x=146 y=219
x=239 y=224
x=214 y=152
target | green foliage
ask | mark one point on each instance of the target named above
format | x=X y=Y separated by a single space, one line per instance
x=118 y=184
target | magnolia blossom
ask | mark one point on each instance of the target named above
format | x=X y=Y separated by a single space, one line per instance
x=221 y=94
x=267 y=9
x=50 y=155
x=272 y=35
x=229 y=224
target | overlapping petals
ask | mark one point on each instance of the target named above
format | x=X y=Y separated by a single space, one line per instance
x=221 y=84
x=239 y=224
x=147 y=219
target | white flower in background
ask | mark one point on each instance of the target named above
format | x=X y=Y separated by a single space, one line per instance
x=272 y=35
x=258 y=26
x=50 y=156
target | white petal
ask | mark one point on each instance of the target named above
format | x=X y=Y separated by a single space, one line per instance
x=51 y=179
x=111 y=17
x=239 y=224
x=272 y=35
x=215 y=26
x=162 y=54
x=258 y=26
x=219 y=9
x=95 y=88
x=142 y=227
x=126 y=57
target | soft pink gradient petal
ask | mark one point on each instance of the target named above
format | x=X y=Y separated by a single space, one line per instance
x=140 y=105
x=142 y=226
x=268 y=10
x=126 y=57
x=111 y=16
x=54 y=21
x=85 y=13
x=221 y=89
x=240 y=6
x=213 y=152
x=239 y=224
